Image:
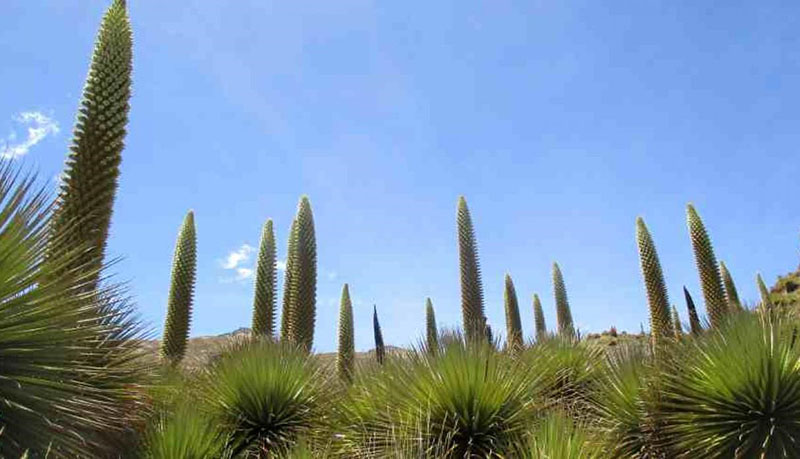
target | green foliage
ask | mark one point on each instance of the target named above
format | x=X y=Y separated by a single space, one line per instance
x=694 y=322
x=185 y=433
x=471 y=285
x=431 y=332
x=380 y=349
x=766 y=303
x=303 y=280
x=557 y=436
x=265 y=396
x=82 y=214
x=286 y=312
x=563 y=313
x=538 y=318
x=731 y=295
x=657 y=299
x=676 y=323
x=785 y=294
x=345 y=357
x=736 y=391
x=622 y=406
x=54 y=326
x=708 y=269
x=181 y=291
x=466 y=401
x=513 y=322
x=265 y=284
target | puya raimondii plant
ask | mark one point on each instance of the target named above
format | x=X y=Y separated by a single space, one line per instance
x=181 y=292
x=302 y=305
x=265 y=284
x=474 y=319
x=345 y=356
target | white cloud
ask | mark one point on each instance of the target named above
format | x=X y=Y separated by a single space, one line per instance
x=243 y=273
x=237 y=257
x=39 y=126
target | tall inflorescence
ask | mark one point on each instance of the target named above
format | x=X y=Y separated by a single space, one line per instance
x=731 y=294
x=286 y=311
x=431 y=331
x=694 y=321
x=303 y=287
x=513 y=322
x=471 y=287
x=676 y=323
x=707 y=268
x=181 y=291
x=82 y=213
x=563 y=313
x=345 y=357
x=766 y=304
x=538 y=319
x=380 y=349
x=265 y=285
x=657 y=299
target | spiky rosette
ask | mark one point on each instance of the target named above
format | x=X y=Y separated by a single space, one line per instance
x=563 y=313
x=731 y=294
x=657 y=299
x=431 y=332
x=707 y=268
x=181 y=292
x=82 y=214
x=345 y=356
x=513 y=322
x=735 y=392
x=538 y=318
x=471 y=285
x=265 y=283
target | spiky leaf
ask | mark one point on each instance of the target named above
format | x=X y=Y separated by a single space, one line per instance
x=513 y=322
x=657 y=299
x=82 y=214
x=707 y=268
x=181 y=292
x=471 y=286
x=563 y=313
x=265 y=284
x=345 y=356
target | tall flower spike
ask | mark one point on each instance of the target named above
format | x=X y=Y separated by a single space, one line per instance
x=286 y=310
x=731 y=295
x=471 y=286
x=513 y=322
x=707 y=268
x=538 y=318
x=380 y=349
x=345 y=358
x=766 y=304
x=304 y=279
x=563 y=313
x=694 y=322
x=676 y=323
x=431 y=332
x=265 y=285
x=657 y=299
x=82 y=213
x=181 y=291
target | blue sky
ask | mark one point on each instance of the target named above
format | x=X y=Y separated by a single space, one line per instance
x=561 y=121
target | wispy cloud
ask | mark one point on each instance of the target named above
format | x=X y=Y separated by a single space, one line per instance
x=237 y=257
x=39 y=126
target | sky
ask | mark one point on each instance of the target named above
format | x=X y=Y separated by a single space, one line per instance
x=560 y=121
